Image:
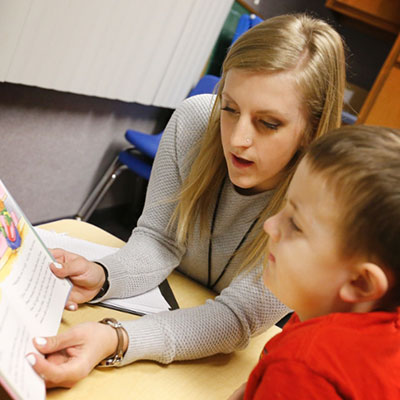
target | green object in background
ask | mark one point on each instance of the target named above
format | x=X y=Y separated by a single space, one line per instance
x=225 y=39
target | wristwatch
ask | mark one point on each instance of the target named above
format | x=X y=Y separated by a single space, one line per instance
x=114 y=359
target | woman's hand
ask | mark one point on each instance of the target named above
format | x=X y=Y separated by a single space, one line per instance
x=71 y=355
x=86 y=276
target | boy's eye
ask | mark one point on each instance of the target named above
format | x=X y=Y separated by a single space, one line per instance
x=293 y=225
x=270 y=125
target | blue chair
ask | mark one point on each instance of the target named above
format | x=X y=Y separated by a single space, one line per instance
x=245 y=23
x=148 y=144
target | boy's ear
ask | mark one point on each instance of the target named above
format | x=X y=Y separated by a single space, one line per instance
x=368 y=283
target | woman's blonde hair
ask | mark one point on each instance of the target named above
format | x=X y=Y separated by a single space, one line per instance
x=314 y=51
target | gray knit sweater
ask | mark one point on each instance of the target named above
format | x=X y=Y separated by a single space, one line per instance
x=244 y=306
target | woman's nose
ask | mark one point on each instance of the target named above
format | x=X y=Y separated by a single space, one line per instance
x=242 y=135
x=271 y=227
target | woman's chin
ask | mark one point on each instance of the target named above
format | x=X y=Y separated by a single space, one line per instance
x=245 y=190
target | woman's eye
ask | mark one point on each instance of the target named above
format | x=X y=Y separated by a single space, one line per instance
x=270 y=125
x=293 y=225
x=229 y=109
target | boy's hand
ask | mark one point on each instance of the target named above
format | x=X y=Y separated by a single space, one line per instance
x=238 y=394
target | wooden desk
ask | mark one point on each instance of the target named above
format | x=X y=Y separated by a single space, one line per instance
x=210 y=378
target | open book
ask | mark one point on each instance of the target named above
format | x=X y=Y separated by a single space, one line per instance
x=156 y=300
x=32 y=299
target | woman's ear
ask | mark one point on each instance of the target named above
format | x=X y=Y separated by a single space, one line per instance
x=369 y=283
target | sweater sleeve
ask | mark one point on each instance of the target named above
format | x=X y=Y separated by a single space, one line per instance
x=151 y=252
x=289 y=379
x=221 y=325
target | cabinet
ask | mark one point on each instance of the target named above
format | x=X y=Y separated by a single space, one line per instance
x=382 y=105
x=383 y=14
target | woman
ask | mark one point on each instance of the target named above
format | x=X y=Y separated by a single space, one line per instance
x=226 y=161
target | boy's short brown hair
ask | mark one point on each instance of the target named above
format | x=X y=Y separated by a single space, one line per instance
x=362 y=165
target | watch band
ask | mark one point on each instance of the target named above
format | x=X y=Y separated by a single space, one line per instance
x=105 y=286
x=116 y=358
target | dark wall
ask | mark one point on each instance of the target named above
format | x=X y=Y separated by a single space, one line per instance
x=367 y=46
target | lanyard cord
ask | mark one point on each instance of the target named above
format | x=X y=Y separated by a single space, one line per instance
x=210 y=242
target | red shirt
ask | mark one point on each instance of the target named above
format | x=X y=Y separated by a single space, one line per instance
x=337 y=356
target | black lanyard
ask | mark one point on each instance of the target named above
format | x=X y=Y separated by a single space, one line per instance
x=209 y=285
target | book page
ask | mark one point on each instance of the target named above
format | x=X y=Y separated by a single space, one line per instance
x=25 y=275
x=32 y=299
x=15 y=343
x=27 y=279
x=147 y=303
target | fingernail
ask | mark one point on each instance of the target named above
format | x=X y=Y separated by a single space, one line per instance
x=72 y=307
x=57 y=265
x=41 y=341
x=31 y=359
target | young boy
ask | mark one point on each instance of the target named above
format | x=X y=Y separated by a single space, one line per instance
x=334 y=258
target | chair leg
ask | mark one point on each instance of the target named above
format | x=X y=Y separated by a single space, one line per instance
x=90 y=204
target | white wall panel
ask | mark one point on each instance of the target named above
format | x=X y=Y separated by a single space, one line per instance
x=145 y=51
x=13 y=14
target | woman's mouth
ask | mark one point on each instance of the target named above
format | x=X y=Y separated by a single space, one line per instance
x=241 y=162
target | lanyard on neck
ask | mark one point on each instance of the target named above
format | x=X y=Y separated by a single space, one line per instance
x=209 y=285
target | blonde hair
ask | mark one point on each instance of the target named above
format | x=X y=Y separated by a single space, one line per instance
x=361 y=166
x=314 y=51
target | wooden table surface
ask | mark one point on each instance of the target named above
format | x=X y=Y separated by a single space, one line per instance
x=213 y=377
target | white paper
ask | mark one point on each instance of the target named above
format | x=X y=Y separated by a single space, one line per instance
x=32 y=299
x=17 y=373
x=148 y=303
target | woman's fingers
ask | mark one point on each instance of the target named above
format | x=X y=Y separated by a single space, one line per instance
x=71 y=306
x=58 y=270
x=60 y=342
x=71 y=355
x=61 y=371
x=73 y=266
x=62 y=255
x=87 y=277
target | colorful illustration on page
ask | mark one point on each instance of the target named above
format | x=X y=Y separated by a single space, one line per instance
x=11 y=226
